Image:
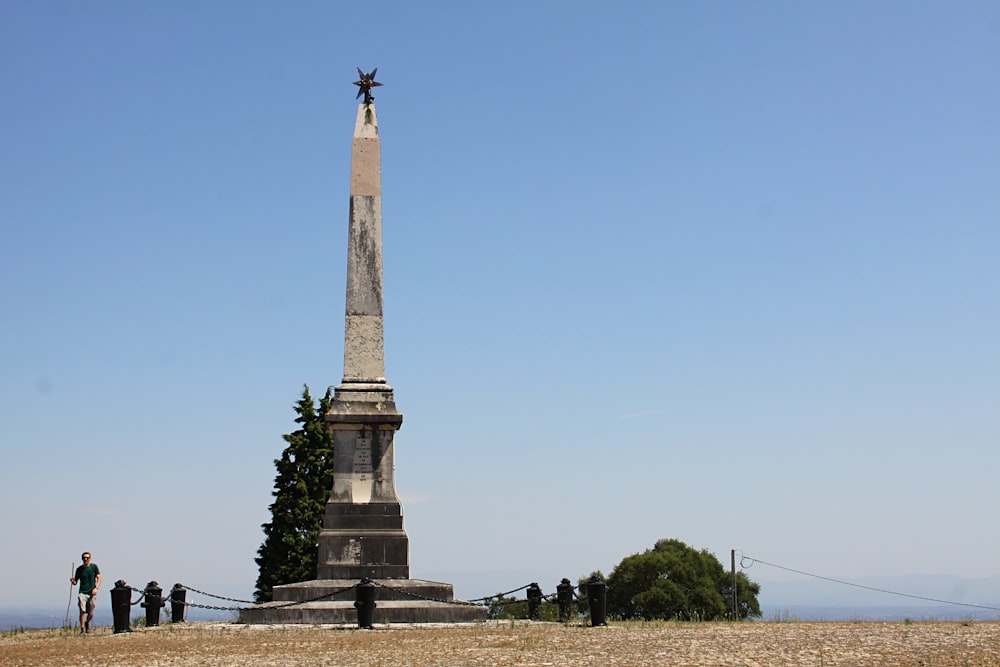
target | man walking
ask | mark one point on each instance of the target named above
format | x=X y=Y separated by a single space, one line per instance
x=89 y=576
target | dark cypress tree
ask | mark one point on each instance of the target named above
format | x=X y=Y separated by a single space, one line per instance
x=301 y=489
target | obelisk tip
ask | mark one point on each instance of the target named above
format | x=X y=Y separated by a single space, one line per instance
x=366 y=125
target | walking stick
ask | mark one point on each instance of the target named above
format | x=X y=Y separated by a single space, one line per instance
x=70 y=603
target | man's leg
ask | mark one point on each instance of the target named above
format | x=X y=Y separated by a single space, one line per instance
x=91 y=606
x=82 y=604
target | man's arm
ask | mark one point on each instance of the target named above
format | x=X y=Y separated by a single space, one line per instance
x=97 y=583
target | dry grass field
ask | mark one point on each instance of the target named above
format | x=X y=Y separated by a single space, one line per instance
x=518 y=643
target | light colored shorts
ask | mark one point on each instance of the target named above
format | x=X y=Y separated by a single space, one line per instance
x=87 y=602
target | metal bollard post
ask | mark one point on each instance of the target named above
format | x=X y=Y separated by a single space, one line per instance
x=364 y=602
x=597 y=597
x=120 y=603
x=564 y=594
x=177 y=596
x=152 y=603
x=534 y=595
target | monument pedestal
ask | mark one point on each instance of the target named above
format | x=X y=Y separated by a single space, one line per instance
x=363 y=532
x=396 y=601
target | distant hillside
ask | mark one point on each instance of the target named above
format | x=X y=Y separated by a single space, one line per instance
x=42 y=619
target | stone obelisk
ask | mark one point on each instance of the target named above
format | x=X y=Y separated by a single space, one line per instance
x=362 y=535
x=362 y=532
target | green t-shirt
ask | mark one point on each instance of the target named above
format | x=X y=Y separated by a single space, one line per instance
x=86 y=575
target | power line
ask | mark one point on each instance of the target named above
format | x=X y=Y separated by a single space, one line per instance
x=744 y=559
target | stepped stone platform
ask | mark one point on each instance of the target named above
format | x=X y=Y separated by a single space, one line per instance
x=396 y=601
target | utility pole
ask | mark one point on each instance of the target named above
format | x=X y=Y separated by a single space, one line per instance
x=732 y=564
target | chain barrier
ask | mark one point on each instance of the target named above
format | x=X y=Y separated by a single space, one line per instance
x=547 y=597
x=217 y=597
x=318 y=598
x=499 y=595
x=459 y=603
x=497 y=605
x=486 y=601
x=162 y=599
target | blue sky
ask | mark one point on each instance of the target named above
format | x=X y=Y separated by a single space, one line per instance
x=723 y=272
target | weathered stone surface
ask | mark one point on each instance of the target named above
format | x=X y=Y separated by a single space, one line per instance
x=363 y=552
x=343 y=589
x=386 y=613
x=364 y=348
x=366 y=157
x=364 y=259
x=363 y=532
x=363 y=540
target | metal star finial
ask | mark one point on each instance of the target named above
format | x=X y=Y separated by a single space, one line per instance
x=365 y=85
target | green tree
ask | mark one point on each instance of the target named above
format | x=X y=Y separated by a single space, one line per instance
x=301 y=490
x=675 y=581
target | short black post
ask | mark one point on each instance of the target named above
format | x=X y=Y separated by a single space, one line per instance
x=152 y=603
x=177 y=596
x=364 y=602
x=564 y=594
x=597 y=598
x=120 y=604
x=534 y=595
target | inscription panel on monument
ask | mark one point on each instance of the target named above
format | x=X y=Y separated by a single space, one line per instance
x=362 y=471
x=352 y=552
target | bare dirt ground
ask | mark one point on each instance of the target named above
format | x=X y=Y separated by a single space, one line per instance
x=966 y=643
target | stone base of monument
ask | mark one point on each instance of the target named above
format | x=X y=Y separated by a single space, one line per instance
x=331 y=601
